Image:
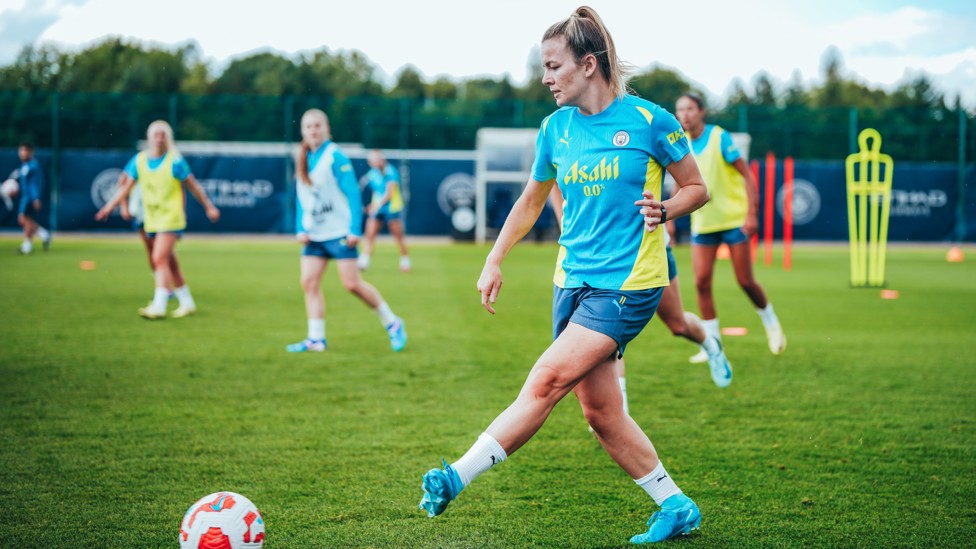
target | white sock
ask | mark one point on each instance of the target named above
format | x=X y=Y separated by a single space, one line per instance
x=658 y=484
x=711 y=328
x=623 y=389
x=711 y=345
x=767 y=315
x=160 y=298
x=42 y=232
x=183 y=294
x=27 y=246
x=483 y=455
x=386 y=314
x=316 y=329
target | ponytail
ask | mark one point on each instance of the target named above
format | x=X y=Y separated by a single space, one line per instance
x=586 y=34
x=301 y=163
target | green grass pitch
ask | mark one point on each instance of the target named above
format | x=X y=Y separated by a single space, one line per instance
x=862 y=434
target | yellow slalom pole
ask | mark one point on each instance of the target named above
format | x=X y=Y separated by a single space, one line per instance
x=852 y=215
x=884 y=193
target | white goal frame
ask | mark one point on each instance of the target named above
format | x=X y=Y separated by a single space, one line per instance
x=517 y=145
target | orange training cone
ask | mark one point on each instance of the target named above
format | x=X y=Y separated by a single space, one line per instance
x=955 y=255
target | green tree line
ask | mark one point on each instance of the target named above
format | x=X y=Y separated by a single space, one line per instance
x=105 y=95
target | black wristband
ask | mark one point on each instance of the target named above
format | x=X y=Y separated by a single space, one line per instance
x=664 y=215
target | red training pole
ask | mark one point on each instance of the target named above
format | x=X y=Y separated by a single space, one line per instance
x=770 y=199
x=788 y=213
x=754 y=240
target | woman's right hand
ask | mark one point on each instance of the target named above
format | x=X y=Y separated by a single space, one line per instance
x=490 y=284
x=102 y=215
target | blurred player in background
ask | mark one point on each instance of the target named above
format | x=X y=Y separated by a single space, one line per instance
x=729 y=218
x=671 y=312
x=161 y=172
x=386 y=207
x=329 y=226
x=607 y=151
x=31 y=185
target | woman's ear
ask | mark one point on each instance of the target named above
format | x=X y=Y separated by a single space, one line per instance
x=589 y=65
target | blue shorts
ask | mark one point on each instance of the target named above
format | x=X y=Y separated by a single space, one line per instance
x=330 y=249
x=620 y=315
x=26 y=207
x=730 y=237
x=386 y=217
x=672 y=264
x=179 y=234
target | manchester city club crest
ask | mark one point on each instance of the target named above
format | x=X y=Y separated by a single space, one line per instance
x=621 y=138
x=104 y=186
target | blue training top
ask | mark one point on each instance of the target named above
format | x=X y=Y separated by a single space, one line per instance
x=602 y=163
x=331 y=207
x=31 y=183
x=181 y=170
x=729 y=151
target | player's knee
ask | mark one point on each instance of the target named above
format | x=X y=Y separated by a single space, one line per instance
x=548 y=384
x=350 y=284
x=703 y=284
x=600 y=416
x=160 y=259
x=677 y=327
x=309 y=283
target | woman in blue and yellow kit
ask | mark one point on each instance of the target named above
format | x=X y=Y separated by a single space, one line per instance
x=729 y=218
x=329 y=226
x=161 y=172
x=607 y=152
x=386 y=206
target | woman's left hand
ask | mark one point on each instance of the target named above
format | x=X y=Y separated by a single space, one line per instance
x=489 y=285
x=751 y=225
x=213 y=214
x=651 y=210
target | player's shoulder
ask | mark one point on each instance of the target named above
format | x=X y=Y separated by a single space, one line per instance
x=639 y=107
x=338 y=155
x=648 y=121
x=556 y=118
x=648 y=112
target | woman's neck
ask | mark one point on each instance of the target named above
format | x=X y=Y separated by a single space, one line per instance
x=597 y=100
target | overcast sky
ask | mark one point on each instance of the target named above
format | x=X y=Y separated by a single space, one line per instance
x=710 y=42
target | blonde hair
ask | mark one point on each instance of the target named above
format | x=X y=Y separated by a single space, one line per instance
x=586 y=34
x=168 y=130
x=301 y=159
